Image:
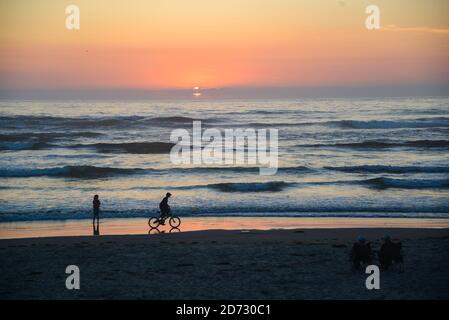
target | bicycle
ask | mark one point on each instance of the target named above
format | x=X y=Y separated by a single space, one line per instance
x=174 y=221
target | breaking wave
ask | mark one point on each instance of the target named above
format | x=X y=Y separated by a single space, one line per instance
x=68 y=172
x=272 y=186
x=372 y=144
x=96 y=122
x=39 y=140
x=390 y=124
x=390 y=169
x=130 y=147
x=383 y=182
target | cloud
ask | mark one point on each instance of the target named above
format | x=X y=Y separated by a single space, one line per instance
x=393 y=27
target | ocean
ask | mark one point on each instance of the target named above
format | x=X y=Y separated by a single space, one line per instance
x=337 y=157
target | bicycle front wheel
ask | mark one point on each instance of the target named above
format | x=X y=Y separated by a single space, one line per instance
x=174 y=222
x=153 y=222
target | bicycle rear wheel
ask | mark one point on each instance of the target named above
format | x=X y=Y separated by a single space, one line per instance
x=174 y=222
x=153 y=222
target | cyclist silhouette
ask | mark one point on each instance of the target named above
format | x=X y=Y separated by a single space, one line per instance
x=164 y=207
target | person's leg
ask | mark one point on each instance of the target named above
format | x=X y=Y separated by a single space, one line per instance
x=97 y=215
x=164 y=215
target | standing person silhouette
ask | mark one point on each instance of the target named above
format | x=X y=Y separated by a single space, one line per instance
x=96 y=209
x=164 y=207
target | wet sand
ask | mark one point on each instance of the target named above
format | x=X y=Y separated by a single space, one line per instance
x=129 y=226
x=300 y=263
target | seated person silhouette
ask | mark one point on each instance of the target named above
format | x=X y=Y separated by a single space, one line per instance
x=360 y=254
x=390 y=253
x=164 y=208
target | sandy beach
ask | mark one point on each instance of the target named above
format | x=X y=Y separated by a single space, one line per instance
x=299 y=263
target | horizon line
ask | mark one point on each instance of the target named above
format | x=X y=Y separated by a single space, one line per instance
x=236 y=92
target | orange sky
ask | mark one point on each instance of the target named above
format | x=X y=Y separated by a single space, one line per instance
x=214 y=43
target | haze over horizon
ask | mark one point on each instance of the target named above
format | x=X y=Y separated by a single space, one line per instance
x=440 y=90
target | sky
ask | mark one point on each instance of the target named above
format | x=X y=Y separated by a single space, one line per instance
x=171 y=45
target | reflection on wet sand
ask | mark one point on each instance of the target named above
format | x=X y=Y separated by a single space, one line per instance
x=156 y=230
x=96 y=228
x=140 y=225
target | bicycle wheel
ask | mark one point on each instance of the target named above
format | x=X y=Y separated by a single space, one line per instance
x=174 y=222
x=153 y=222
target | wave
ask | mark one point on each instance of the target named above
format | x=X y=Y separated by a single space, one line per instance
x=174 y=119
x=93 y=171
x=69 y=172
x=272 y=186
x=390 y=124
x=254 y=210
x=27 y=145
x=23 y=136
x=436 y=122
x=130 y=147
x=39 y=140
x=390 y=169
x=285 y=170
x=277 y=186
x=242 y=187
x=60 y=122
x=95 y=122
x=372 y=144
x=380 y=182
x=383 y=183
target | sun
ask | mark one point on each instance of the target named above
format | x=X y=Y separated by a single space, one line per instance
x=196 y=92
